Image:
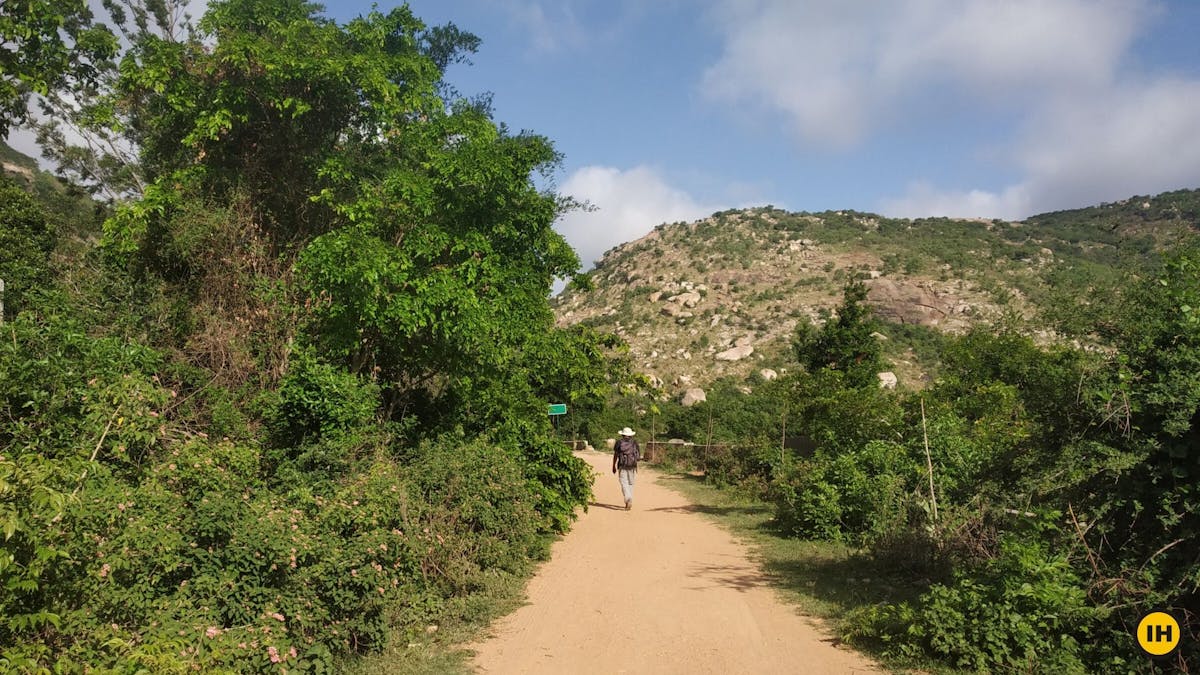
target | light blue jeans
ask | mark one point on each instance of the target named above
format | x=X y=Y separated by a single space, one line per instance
x=626 y=477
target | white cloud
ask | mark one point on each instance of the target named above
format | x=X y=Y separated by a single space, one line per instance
x=838 y=69
x=1119 y=142
x=924 y=200
x=548 y=31
x=1011 y=46
x=628 y=204
x=1089 y=124
x=1139 y=138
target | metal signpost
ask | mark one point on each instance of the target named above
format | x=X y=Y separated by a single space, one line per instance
x=554 y=410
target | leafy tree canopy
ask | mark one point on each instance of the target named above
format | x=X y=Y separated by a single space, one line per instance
x=46 y=44
x=844 y=343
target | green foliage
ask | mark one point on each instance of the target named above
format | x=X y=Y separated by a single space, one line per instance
x=341 y=273
x=854 y=495
x=47 y=43
x=844 y=344
x=1025 y=610
x=167 y=553
x=26 y=240
x=317 y=400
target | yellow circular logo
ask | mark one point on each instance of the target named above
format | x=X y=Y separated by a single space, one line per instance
x=1158 y=633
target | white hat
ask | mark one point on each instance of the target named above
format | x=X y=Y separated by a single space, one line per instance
x=626 y=432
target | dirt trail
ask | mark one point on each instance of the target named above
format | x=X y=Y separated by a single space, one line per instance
x=659 y=589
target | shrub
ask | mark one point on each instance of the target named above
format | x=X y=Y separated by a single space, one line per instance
x=317 y=399
x=26 y=240
x=850 y=496
x=1024 y=610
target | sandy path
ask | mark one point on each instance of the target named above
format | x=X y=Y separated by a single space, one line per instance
x=659 y=589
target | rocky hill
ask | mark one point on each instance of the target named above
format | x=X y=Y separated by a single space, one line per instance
x=721 y=296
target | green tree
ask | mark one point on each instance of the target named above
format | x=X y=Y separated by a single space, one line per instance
x=844 y=344
x=423 y=250
x=1151 y=409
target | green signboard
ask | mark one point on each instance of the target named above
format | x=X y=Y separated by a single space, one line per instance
x=558 y=409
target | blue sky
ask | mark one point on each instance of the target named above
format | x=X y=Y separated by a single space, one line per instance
x=668 y=110
x=672 y=109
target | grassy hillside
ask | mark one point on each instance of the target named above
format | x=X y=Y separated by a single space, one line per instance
x=9 y=155
x=756 y=272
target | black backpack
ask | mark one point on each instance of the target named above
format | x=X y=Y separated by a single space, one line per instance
x=628 y=453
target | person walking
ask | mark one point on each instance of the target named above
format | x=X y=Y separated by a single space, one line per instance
x=626 y=454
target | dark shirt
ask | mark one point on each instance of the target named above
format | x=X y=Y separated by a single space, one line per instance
x=624 y=442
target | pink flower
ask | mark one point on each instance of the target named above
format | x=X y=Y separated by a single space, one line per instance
x=292 y=652
x=104 y=570
x=212 y=632
x=276 y=615
x=274 y=654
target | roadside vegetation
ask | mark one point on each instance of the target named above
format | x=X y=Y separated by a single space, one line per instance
x=274 y=365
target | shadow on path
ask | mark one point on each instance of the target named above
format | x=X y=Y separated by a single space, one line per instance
x=737 y=577
x=713 y=510
x=610 y=507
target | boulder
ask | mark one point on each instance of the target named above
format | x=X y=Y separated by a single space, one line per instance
x=610 y=443
x=742 y=342
x=887 y=380
x=768 y=374
x=682 y=380
x=735 y=354
x=670 y=309
x=656 y=296
x=902 y=301
x=693 y=396
x=689 y=299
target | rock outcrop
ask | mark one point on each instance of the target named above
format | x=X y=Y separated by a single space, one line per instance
x=735 y=353
x=693 y=396
x=907 y=302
